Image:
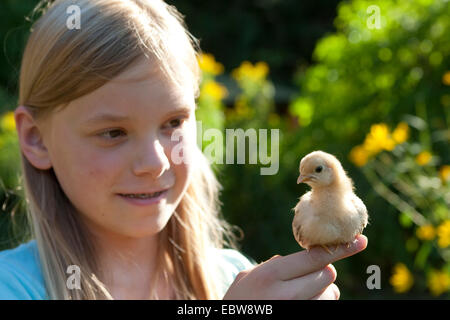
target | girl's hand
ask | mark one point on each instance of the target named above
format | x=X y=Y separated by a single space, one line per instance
x=301 y=275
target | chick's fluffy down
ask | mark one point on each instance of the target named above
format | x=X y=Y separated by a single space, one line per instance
x=336 y=220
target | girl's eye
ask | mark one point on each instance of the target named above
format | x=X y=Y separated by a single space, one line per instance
x=175 y=123
x=112 y=134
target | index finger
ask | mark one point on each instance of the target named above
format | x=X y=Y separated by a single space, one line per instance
x=303 y=262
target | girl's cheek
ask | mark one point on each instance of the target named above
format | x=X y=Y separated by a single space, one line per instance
x=181 y=147
x=101 y=164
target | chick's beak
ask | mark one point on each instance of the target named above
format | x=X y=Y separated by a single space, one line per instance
x=302 y=178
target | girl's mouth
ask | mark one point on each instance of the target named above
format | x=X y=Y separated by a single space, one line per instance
x=142 y=195
x=144 y=198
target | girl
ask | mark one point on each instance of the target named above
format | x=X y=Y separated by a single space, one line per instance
x=114 y=213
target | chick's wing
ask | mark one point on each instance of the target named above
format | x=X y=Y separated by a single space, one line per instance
x=302 y=209
x=362 y=212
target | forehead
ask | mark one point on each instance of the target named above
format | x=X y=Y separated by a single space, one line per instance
x=141 y=88
x=146 y=78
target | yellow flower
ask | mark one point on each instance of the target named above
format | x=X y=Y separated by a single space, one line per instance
x=358 y=155
x=401 y=133
x=379 y=139
x=401 y=279
x=443 y=233
x=7 y=122
x=423 y=158
x=214 y=90
x=444 y=172
x=242 y=108
x=438 y=282
x=446 y=78
x=426 y=232
x=208 y=64
x=260 y=70
x=249 y=71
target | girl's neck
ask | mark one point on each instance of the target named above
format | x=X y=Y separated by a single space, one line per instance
x=127 y=264
x=142 y=291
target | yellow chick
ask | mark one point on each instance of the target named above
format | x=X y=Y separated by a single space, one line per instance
x=331 y=213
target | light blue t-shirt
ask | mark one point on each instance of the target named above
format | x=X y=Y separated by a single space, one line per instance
x=21 y=277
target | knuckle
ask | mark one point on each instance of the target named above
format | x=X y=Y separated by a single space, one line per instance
x=275 y=257
x=266 y=277
x=268 y=271
x=242 y=273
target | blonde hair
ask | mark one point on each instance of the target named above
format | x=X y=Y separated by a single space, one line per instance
x=60 y=65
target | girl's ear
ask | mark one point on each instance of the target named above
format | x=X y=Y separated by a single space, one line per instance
x=30 y=139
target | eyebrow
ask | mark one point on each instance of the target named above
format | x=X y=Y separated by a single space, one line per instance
x=108 y=117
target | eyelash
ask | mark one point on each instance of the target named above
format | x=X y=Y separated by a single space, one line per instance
x=182 y=120
x=104 y=133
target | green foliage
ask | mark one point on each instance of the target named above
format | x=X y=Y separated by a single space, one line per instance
x=367 y=75
x=9 y=151
x=414 y=181
x=398 y=72
x=13 y=228
x=282 y=33
x=13 y=34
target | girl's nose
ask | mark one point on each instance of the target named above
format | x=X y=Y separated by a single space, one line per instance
x=151 y=160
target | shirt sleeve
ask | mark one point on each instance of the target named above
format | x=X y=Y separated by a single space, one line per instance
x=237 y=260
x=230 y=262
x=15 y=285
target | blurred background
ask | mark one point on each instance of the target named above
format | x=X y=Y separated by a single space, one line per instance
x=368 y=81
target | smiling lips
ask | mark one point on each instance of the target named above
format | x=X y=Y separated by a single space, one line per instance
x=141 y=195
x=144 y=198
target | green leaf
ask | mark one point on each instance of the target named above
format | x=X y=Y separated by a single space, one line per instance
x=441 y=212
x=412 y=244
x=404 y=220
x=303 y=108
x=422 y=255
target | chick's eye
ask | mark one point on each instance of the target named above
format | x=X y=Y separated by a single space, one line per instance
x=319 y=169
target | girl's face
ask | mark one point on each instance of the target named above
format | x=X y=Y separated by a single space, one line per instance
x=114 y=143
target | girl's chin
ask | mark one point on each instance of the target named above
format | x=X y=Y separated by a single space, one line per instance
x=147 y=224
